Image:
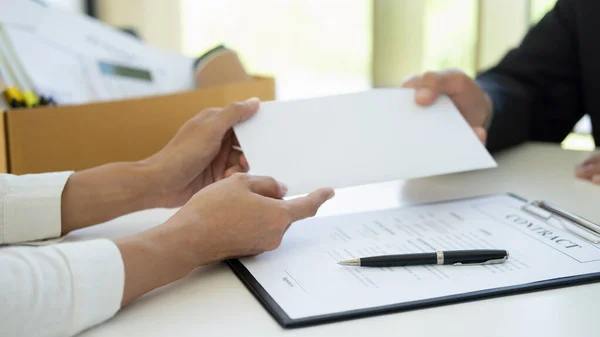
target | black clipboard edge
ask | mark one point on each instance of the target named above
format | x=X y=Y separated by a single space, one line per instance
x=285 y=321
x=244 y=275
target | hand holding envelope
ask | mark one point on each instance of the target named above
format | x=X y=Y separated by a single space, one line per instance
x=356 y=139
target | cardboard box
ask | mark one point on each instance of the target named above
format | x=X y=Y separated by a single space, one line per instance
x=79 y=137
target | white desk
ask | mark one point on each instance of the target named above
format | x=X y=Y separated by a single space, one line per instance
x=213 y=302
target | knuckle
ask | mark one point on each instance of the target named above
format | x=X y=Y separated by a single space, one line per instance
x=240 y=177
x=283 y=217
x=205 y=115
x=461 y=81
x=203 y=129
x=272 y=182
x=429 y=78
x=214 y=132
x=314 y=209
x=202 y=118
x=198 y=120
x=236 y=106
x=210 y=111
x=274 y=244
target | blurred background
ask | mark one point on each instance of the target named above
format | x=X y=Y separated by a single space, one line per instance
x=323 y=47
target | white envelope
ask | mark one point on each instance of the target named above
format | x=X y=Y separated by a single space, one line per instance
x=356 y=139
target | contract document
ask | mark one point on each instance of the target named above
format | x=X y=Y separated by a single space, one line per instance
x=359 y=138
x=301 y=282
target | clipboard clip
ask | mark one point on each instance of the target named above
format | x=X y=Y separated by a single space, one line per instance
x=573 y=223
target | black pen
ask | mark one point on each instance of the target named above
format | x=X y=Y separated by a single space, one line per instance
x=453 y=257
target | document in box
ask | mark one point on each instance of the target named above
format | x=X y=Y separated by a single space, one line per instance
x=64 y=56
x=23 y=14
x=356 y=139
x=71 y=78
x=304 y=279
x=93 y=39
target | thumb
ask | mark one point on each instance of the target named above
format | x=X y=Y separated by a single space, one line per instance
x=481 y=134
x=307 y=206
x=238 y=112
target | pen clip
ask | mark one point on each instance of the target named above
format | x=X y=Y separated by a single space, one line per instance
x=572 y=223
x=493 y=261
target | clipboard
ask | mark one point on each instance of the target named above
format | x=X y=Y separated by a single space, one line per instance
x=540 y=209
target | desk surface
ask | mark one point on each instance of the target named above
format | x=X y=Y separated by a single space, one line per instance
x=213 y=302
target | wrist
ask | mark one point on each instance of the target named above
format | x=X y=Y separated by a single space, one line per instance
x=103 y=193
x=140 y=185
x=185 y=250
x=151 y=186
x=150 y=261
x=164 y=182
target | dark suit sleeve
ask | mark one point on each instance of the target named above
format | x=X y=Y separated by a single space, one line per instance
x=536 y=88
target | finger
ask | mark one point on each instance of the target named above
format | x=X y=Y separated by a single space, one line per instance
x=304 y=207
x=244 y=163
x=236 y=157
x=596 y=179
x=242 y=167
x=254 y=252
x=221 y=162
x=238 y=112
x=233 y=170
x=587 y=171
x=242 y=159
x=425 y=96
x=428 y=89
x=433 y=84
x=449 y=82
x=594 y=159
x=481 y=134
x=267 y=187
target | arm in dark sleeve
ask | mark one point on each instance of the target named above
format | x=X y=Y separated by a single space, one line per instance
x=536 y=87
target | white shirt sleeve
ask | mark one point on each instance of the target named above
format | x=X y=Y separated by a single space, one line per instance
x=59 y=290
x=30 y=206
x=56 y=290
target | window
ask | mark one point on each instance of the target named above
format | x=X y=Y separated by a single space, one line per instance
x=323 y=47
x=312 y=47
x=539 y=8
x=450 y=35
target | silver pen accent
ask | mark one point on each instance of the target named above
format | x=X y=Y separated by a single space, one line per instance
x=351 y=262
